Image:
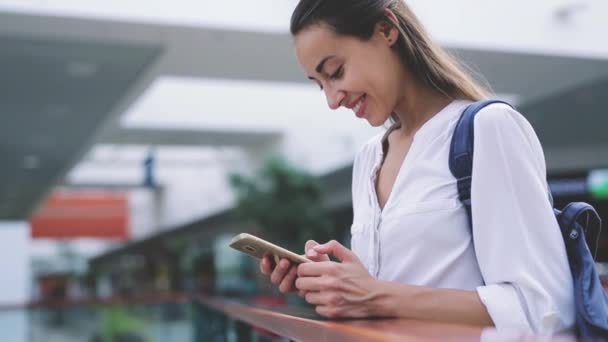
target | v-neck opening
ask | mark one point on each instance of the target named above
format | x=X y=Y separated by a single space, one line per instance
x=397 y=177
x=404 y=163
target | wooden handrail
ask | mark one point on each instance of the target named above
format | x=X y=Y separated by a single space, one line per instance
x=306 y=329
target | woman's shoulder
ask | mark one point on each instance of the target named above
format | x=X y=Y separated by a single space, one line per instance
x=503 y=121
x=504 y=127
x=500 y=115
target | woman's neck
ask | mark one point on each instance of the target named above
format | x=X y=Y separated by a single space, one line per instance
x=418 y=107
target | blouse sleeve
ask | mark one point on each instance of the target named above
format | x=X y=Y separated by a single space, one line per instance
x=521 y=254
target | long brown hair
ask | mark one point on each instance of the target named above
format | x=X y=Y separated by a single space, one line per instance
x=425 y=59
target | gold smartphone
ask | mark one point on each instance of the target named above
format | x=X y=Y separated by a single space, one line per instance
x=257 y=248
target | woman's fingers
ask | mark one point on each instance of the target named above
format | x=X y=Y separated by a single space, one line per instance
x=266 y=265
x=316 y=269
x=307 y=284
x=309 y=252
x=312 y=254
x=288 y=282
x=283 y=274
x=335 y=248
x=280 y=271
x=315 y=298
x=324 y=298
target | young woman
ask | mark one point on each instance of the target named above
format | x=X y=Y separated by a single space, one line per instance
x=413 y=253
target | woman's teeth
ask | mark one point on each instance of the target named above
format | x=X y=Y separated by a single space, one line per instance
x=358 y=106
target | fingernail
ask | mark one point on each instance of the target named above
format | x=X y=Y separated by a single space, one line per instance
x=311 y=253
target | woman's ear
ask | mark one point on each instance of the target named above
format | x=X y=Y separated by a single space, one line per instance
x=388 y=28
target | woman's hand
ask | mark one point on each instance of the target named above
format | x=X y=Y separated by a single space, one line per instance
x=338 y=289
x=284 y=273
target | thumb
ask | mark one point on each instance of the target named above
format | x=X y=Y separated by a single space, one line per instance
x=313 y=255
x=336 y=249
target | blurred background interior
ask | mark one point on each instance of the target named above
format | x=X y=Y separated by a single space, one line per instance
x=138 y=137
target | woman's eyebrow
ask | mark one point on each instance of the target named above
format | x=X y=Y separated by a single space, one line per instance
x=321 y=64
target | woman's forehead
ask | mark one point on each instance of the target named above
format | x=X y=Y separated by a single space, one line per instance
x=316 y=43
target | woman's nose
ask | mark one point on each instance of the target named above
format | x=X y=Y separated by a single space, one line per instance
x=334 y=98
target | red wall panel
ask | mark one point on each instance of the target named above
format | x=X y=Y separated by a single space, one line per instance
x=82 y=215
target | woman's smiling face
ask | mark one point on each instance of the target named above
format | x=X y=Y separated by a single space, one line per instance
x=364 y=76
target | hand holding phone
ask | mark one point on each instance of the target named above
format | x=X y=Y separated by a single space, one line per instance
x=258 y=248
x=281 y=272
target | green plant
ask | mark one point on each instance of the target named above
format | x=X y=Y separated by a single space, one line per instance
x=285 y=202
x=118 y=323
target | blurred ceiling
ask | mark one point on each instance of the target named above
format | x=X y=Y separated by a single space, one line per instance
x=66 y=81
x=572 y=126
x=55 y=94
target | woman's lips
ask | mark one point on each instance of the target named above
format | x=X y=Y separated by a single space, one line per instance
x=360 y=107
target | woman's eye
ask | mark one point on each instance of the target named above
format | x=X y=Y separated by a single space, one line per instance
x=336 y=75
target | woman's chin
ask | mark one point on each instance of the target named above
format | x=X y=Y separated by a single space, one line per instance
x=374 y=122
x=377 y=120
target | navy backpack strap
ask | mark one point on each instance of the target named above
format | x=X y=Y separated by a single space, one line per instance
x=571 y=214
x=461 y=151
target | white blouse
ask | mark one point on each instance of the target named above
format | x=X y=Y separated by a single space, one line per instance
x=515 y=257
